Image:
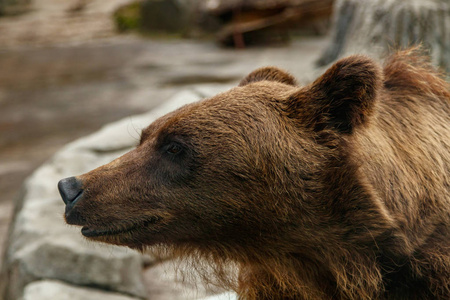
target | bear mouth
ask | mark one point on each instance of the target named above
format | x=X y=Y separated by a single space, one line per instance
x=118 y=229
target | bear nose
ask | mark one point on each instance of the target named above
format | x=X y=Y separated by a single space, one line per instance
x=70 y=190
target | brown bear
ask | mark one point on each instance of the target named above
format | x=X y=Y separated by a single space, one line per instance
x=336 y=190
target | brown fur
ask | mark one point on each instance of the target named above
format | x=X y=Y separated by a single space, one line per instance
x=336 y=190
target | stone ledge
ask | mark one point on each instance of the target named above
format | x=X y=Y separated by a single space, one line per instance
x=55 y=290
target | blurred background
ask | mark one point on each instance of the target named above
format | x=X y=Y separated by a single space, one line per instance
x=69 y=67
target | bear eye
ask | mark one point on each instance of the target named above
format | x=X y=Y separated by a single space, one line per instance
x=174 y=148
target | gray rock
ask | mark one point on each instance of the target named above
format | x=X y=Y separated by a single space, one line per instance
x=378 y=27
x=54 y=290
x=69 y=258
x=223 y=296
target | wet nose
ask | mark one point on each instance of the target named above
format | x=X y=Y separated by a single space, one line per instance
x=70 y=190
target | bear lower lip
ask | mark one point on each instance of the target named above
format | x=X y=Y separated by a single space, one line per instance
x=91 y=232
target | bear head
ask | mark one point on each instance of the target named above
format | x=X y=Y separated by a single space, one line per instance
x=260 y=166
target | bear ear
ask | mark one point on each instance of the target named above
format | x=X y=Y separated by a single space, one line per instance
x=269 y=74
x=342 y=98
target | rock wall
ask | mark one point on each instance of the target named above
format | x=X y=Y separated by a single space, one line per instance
x=379 y=26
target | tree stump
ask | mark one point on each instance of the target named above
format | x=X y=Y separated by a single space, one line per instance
x=377 y=27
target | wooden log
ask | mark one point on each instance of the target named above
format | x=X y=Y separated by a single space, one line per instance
x=258 y=15
x=377 y=27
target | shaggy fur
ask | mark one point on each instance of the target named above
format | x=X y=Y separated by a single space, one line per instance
x=336 y=190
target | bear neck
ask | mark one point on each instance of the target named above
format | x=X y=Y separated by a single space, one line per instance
x=358 y=231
